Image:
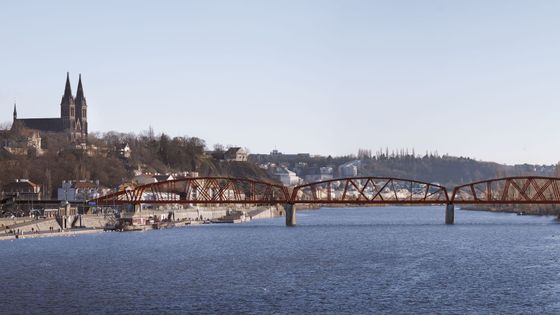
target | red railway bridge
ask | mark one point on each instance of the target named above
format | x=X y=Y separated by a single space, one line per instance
x=342 y=191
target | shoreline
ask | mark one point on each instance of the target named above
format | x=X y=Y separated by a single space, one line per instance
x=50 y=234
x=134 y=228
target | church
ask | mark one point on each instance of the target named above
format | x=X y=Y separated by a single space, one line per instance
x=73 y=116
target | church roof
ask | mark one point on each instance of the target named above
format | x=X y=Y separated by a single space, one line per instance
x=43 y=124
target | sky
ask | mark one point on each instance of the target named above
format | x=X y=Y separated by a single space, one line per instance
x=467 y=78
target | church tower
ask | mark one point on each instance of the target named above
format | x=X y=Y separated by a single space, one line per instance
x=72 y=121
x=68 y=108
x=81 y=109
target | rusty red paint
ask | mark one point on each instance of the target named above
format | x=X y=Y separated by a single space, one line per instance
x=355 y=190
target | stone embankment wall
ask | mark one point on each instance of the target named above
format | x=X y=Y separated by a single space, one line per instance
x=214 y=213
x=93 y=221
x=27 y=225
x=13 y=221
x=41 y=225
x=200 y=214
x=265 y=212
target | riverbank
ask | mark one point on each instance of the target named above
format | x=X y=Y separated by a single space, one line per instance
x=73 y=232
x=36 y=228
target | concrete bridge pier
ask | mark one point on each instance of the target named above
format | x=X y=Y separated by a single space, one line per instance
x=450 y=213
x=290 y=214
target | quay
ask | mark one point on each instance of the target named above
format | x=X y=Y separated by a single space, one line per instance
x=137 y=220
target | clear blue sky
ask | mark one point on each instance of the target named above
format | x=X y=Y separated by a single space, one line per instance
x=469 y=78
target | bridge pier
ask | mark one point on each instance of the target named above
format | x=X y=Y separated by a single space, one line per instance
x=450 y=213
x=290 y=214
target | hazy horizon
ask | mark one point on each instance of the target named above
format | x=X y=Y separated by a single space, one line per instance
x=474 y=79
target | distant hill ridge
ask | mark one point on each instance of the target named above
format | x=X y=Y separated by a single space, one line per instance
x=445 y=170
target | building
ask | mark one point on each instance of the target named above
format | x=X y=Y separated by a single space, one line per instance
x=22 y=189
x=144 y=179
x=285 y=176
x=163 y=177
x=317 y=174
x=81 y=190
x=21 y=141
x=236 y=154
x=73 y=116
x=125 y=151
x=277 y=156
x=99 y=151
x=349 y=169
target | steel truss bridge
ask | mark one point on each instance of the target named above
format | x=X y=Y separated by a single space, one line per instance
x=343 y=191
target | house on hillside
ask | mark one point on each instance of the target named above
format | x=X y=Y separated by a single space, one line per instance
x=22 y=189
x=19 y=141
x=125 y=151
x=236 y=154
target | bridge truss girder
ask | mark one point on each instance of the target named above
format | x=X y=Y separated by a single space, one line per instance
x=509 y=190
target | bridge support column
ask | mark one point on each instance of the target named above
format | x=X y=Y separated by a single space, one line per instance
x=290 y=214
x=449 y=214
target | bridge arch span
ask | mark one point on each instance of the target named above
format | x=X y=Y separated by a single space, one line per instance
x=509 y=190
x=370 y=190
x=205 y=190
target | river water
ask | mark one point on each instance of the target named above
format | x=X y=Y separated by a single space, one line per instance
x=393 y=260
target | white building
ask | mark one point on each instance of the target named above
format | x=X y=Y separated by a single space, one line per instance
x=285 y=176
x=236 y=154
x=349 y=169
x=81 y=190
x=125 y=151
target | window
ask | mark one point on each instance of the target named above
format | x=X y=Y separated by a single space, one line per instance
x=72 y=111
x=83 y=113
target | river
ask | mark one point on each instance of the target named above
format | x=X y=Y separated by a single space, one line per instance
x=393 y=260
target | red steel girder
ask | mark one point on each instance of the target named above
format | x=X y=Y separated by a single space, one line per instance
x=510 y=190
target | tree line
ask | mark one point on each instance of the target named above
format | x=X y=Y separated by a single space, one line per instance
x=102 y=160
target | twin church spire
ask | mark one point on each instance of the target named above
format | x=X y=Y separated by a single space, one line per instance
x=73 y=110
x=73 y=116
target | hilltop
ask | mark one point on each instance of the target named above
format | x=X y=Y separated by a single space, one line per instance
x=104 y=159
